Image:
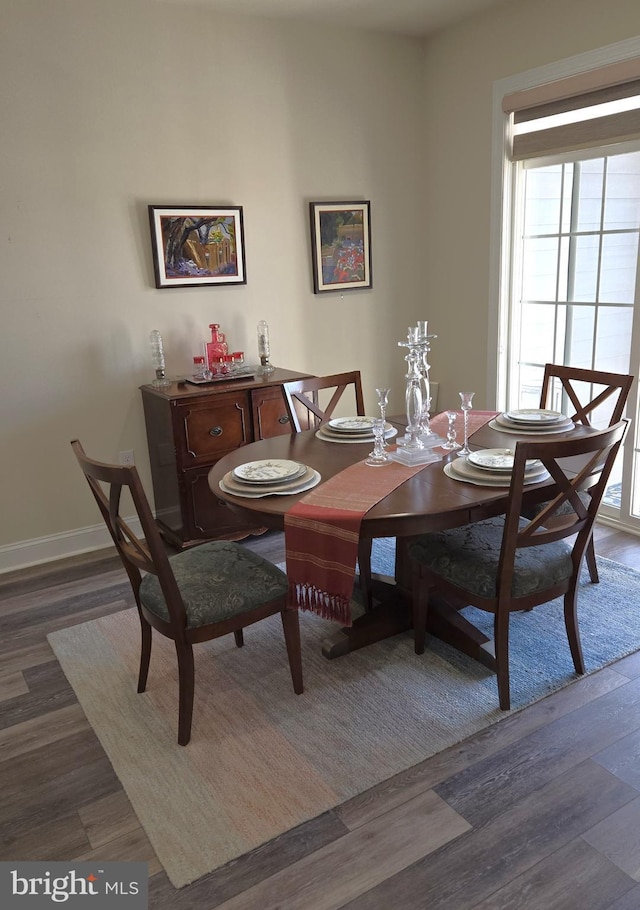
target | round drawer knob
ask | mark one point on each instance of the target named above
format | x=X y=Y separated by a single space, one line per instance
x=283 y=419
x=215 y=431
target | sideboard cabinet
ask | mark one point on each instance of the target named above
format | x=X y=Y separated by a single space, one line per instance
x=188 y=429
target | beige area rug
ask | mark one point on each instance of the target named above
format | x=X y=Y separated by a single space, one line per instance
x=263 y=760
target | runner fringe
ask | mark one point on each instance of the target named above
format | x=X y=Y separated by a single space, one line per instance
x=328 y=606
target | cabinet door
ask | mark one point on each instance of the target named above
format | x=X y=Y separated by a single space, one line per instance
x=269 y=413
x=207 y=516
x=206 y=430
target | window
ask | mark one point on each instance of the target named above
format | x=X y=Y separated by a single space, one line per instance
x=566 y=274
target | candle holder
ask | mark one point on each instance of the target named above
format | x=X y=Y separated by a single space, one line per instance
x=157 y=358
x=417 y=446
x=264 y=349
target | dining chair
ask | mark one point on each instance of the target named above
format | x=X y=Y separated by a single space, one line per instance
x=307 y=410
x=305 y=405
x=590 y=397
x=512 y=563
x=193 y=596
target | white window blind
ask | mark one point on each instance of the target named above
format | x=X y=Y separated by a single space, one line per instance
x=592 y=109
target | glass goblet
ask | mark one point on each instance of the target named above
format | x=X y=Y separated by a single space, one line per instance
x=451 y=432
x=378 y=456
x=466 y=399
x=383 y=400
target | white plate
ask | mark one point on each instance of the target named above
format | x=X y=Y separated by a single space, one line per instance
x=534 y=415
x=310 y=479
x=499 y=460
x=460 y=469
x=268 y=470
x=327 y=435
x=505 y=425
x=352 y=424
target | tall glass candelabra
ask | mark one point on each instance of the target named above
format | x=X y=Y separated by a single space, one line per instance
x=416 y=447
x=424 y=338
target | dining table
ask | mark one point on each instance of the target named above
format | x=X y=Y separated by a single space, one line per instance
x=427 y=501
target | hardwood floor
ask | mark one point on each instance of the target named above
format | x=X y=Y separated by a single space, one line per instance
x=539 y=812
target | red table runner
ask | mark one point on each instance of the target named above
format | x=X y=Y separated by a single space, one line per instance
x=323 y=529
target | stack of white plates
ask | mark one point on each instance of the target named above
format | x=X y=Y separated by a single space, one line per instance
x=533 y=420
x=352 y=429
x=269 y=477
x=492 y=468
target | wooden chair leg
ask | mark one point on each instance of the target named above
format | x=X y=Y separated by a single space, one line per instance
x=501 y=642
x=291 y=629
x=573 y=633
x=364 y=566
x=239 y=637
x=591 y=562
x=146 y=633
x=420 y=609
x=186 y=682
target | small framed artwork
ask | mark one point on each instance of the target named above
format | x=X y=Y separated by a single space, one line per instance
x=197 y=245
x=340 y=246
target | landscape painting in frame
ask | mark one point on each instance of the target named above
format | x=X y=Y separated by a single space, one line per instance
x=340 y=246
x=197 y=245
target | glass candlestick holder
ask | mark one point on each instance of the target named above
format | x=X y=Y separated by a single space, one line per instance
x=451 y=443
x=378 y=456
x=466 y=399
x=157 y=358
x=264 y=348
x=383 y=401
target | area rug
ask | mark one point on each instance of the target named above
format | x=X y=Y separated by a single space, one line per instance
x=263 y=760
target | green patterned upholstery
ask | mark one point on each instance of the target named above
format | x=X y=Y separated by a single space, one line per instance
x=217 y=580
x=468 y=557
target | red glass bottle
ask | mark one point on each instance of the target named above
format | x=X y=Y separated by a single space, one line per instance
x=217 y=348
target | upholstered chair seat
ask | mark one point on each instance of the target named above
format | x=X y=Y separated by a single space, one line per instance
x=469 y=558
x=217 y=581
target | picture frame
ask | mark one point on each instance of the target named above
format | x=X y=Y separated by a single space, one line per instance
x=341 y=246
x=196 y=245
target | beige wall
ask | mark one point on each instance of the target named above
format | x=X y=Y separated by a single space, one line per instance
x=108 y=105
x=461 y=65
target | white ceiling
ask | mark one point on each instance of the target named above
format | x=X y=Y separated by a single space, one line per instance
x=402 y=17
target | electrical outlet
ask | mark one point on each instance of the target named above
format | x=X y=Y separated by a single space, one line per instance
x=126 y=457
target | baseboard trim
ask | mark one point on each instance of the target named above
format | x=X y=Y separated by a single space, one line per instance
x=27 y=553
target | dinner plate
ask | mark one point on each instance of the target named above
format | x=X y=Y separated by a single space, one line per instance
x=535 y=415
x=505 y=425
x=499 y=460
x=352 y=424
x=460 y=469
x=325 y=432
x=268 y=470
x=309 y=479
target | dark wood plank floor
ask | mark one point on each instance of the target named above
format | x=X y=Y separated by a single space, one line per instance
x=539 y=812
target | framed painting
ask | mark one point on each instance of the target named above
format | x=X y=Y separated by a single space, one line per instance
x=340 y=246
x=197 y=245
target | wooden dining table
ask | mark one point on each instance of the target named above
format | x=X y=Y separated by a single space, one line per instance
x=427 y=501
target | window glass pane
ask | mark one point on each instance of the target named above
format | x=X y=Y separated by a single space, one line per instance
x=590 y=195
x=563 y=271
x=567 y=195
x=622 y=199
x=580 y=325
x=613 y=339
x=542 y=208
x=618 y=268
x=540 y=268
x=530 y=386
x=585 y=268
x=537 y=331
